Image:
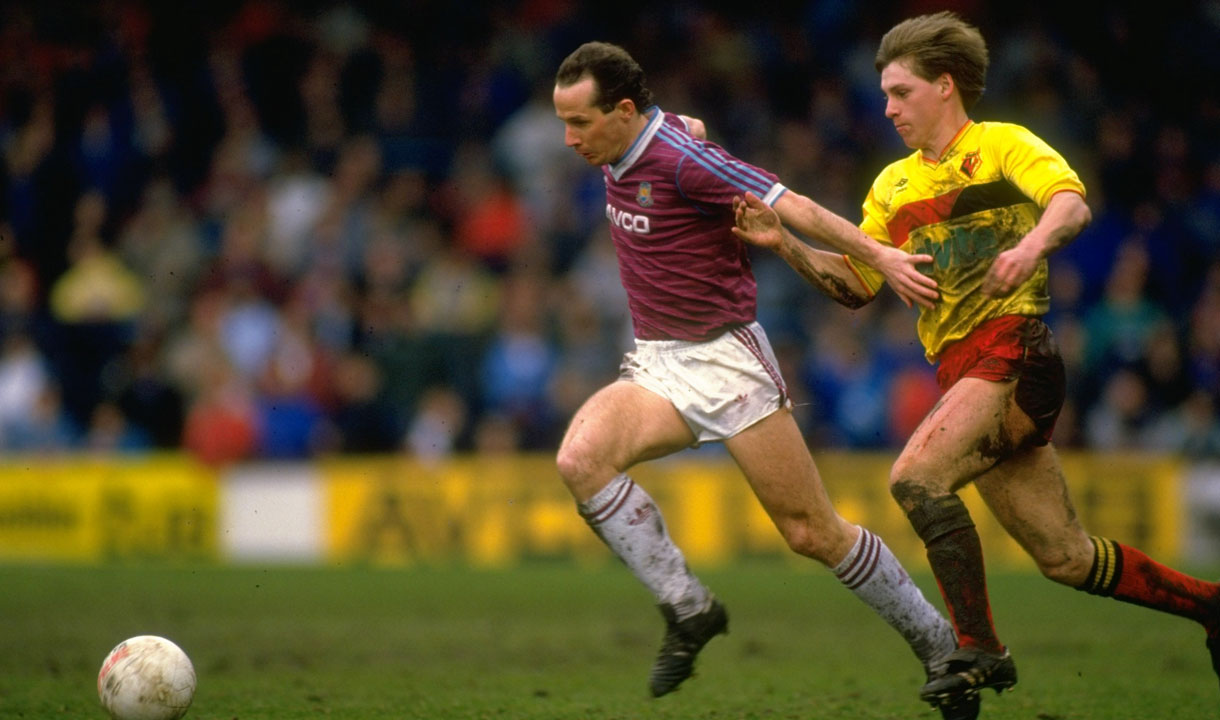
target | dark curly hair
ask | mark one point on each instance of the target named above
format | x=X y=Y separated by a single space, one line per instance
x=616 y=74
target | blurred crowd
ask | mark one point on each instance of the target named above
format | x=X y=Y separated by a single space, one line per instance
x=273 y=230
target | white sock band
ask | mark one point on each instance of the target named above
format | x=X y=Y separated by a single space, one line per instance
x=872 y=572
x=629 y=522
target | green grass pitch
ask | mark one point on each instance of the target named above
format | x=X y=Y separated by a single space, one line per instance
x=562 y=641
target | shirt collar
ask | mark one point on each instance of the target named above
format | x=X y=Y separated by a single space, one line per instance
x=656 y=118
x=945 y=150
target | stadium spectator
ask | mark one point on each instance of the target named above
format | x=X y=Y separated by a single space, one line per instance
x=161 y=243
x=703 y=370
x=95 y=305
x=438 y=425
x=491 y=222
x=453 y=303
x=109 y=432
x=520 y=359
x=341 y=230
x=19 y=291
x=363 y=419
x=1191 y=429
x=24 y=377
x=48 y=429
x=97 y=287
x=847 y=385
x=293 y=388
x=195 y=345
x=37 y=186
x=1121 y=417
x=524 y=148
x=1121 y=326
x=587 y=346
x=990 y=201
x=397 y=244
x=222 y=421
x=496 y=436
x=241 y=160
x=297 y=195
x=144 y=392
x=594 y=277
x=1203 y=344
x=290 y=422
x=1164 y=369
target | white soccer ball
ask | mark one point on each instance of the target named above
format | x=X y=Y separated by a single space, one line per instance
x=146 y=678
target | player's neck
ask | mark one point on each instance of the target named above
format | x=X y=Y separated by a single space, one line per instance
x=631 y=132
x=948 y=130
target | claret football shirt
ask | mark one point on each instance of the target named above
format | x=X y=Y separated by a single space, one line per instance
x=669 y=201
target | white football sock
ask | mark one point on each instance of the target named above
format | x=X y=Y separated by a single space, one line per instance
x=872 y=572
x=630 y=523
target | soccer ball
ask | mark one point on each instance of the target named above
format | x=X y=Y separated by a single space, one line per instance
x=146 y=678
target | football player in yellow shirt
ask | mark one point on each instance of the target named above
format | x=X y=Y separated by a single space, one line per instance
x=989 y=201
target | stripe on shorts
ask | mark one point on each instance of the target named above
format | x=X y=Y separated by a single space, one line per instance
x=747 y=337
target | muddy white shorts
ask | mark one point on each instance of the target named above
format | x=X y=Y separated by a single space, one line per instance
x=720 y=387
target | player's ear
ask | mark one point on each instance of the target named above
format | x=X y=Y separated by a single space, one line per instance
x=944 y=85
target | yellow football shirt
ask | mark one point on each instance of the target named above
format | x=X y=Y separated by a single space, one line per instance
x=982 y=196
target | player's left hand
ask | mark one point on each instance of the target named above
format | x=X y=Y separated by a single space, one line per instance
x=1010 y=269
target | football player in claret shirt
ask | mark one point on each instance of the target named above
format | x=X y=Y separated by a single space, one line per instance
x=702 y=369
x=989 y=202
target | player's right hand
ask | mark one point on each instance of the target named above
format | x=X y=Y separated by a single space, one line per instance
x=902 y=273
x=756 y=222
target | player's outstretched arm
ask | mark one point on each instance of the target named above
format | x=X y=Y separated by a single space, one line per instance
x=1065 y=216
x=757 y=224
x=900 y=271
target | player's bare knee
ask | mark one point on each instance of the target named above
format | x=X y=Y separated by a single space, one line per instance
x=574 y=465
x=901 y=471
x=583 y=471
x=907 y=491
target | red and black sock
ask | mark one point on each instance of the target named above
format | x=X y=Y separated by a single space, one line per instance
x=956 y=557
x=1124 y=573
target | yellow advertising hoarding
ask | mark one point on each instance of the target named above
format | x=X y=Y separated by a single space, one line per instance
x=485 y=511
x=84 y=509
x=497 y=511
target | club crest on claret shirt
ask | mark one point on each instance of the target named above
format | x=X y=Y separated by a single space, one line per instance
x=643 y=196
x=970 y=163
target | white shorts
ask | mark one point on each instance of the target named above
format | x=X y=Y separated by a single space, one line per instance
x=720 y=387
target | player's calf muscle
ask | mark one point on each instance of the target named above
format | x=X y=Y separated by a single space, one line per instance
x=1063 y=565
x=1063 y=554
